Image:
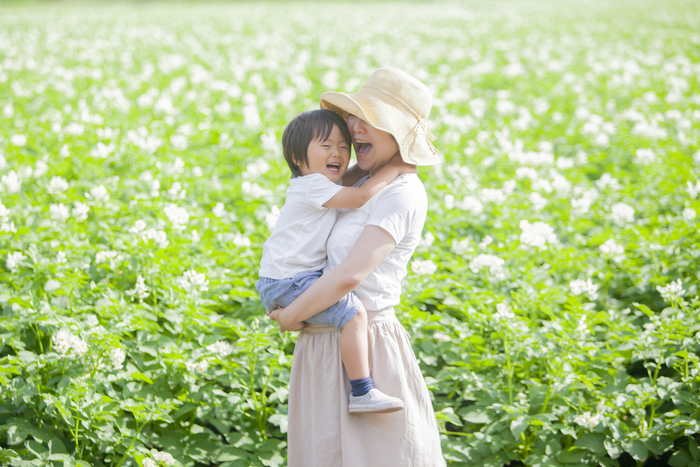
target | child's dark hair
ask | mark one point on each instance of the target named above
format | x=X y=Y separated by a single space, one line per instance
x=305 y=128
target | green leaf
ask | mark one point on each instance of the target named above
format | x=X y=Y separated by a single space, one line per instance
x=693 y=449
x=680 y=459
x=592 y=441
x=141 y=377
x=476 y=417
x=648 y=311
x=637 y=450
x=518 y=425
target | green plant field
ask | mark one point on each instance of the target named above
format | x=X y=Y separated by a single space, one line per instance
x=553 y=304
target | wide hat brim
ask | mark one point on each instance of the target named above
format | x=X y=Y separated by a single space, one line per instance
x=392 y=115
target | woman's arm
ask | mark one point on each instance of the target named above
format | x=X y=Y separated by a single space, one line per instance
x=373 y=245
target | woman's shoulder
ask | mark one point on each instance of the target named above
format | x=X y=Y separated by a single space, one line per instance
x=407 y=186
x=404 y=195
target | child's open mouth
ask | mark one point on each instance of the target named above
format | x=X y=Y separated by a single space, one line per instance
x=333 y=167
x=362 y=148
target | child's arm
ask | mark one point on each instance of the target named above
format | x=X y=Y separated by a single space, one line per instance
x=352 y=198
x=352 y=175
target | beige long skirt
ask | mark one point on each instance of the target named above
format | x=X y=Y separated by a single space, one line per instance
x=322 y=433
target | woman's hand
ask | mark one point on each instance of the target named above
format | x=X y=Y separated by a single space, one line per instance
x=283 y=321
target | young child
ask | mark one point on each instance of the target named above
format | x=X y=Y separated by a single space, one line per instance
x=316 y=146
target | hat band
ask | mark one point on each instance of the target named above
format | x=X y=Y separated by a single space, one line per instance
x=429 y=137
x=421 y=124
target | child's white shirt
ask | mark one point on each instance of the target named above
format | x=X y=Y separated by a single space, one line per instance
x=298 y=240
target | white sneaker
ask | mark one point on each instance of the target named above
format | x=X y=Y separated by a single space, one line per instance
x=375 y=401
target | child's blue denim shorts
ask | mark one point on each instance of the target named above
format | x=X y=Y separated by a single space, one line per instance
x=282 y=292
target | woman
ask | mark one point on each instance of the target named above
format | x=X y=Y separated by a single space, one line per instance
x=368 y=252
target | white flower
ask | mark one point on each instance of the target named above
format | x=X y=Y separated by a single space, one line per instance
x=107 y=255
x=461 y=247
x=583 y=204
x=221 y=348
x=9 y=227
x=241 y=241
x=493 y=195
x=59 y=212
x=672 y=291
x=622 y=213
x=610 y=247
x=179 y=142
x=219 y=210
x=495 y=265
x=427 y=240
x=537 y=234
x=503 y=313
x=148 y=462
x=51 y=285
x=423 y=267
x=158 y=236
x=607 y=180
x=272 y=216
x=117 y=356
x=645 y=156
x=471 y=204
x=526 y=172
x=138 y=227
x=13 y=260
x=538 y=201
x=11 y=181
x=57 y=185
x=139 y=291
x=564 y=163
x=4 y=213
x=582 y=327
x=559 y=182
x=178 y=216
x=255 y=169
x=92 y=321
x=98 y=193
x=194 y=281
x=176 y=191
x=80 y=211
x=689 y=214
x=200 y=366
x=694 y=189
x=40 y=168
x=164 y=457
x=254 y=190
x=589 y=421
x=449 y=201
x=18 y=140
x=67 y=344
x=580 y=287
x=102 y=150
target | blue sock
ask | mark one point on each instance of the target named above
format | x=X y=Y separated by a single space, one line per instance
x=360 y=387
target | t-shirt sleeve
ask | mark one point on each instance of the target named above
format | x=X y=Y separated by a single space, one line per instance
x=399 y=211
x=320 y=190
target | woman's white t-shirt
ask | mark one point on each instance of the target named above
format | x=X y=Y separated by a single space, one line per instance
x=298 y=240
x=400 y=209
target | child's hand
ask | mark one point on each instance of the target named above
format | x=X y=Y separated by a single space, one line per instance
x=278 y=315
x=403 y=167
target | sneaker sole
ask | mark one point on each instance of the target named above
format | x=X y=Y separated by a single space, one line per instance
x=368 y=409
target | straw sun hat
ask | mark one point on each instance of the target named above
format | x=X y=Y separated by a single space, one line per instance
x=397 y=103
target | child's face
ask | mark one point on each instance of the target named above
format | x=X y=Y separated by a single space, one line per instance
x=330 y=157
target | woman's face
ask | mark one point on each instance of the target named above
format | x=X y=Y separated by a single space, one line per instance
x=373 y=147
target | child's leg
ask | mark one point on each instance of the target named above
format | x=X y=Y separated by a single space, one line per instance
x=354 y=347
